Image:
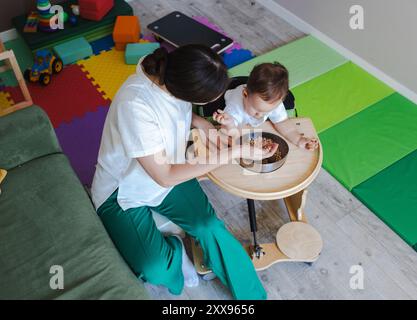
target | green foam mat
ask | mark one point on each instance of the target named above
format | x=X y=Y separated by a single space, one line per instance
x=370 y=141
x=338 y=94
x=392 y=196
x=305 y=59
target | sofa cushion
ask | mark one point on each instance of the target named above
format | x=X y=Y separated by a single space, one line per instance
x=47 y=219
x=26 y=134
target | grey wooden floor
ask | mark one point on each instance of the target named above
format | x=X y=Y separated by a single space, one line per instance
x=352 y=234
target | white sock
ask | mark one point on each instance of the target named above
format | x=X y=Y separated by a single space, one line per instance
x=190 y=274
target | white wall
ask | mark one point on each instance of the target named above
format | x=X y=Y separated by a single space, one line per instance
x=388 y=41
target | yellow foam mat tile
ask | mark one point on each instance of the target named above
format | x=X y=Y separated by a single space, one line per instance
x=107 y=71
x=5 y=100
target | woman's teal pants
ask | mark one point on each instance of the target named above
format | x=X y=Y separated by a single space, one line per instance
x=157 y=259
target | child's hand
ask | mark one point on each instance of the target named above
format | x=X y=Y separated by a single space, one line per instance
x=223 y=118
x=308 y=143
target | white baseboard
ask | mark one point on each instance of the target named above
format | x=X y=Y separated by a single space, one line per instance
x=305 y=27
x=8 y=35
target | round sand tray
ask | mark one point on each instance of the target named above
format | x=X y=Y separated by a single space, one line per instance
x=298 y=171
x=299 y=241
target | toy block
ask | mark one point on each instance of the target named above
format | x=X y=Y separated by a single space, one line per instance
x=95 y=9
x=95 y=5
x=120 y=46
x=126 y=30
x=73 y=50
x=92 y=15
x=134 y=51
x=32 y=21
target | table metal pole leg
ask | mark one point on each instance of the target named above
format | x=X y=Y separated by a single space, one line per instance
x=253 y=228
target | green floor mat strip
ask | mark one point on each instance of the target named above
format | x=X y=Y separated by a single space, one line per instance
x=305 y=59
x=370 y=141
x=392 y=196
x=338 y=94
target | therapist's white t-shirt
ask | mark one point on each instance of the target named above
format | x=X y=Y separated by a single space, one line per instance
x=142 y=120
x=235 y=108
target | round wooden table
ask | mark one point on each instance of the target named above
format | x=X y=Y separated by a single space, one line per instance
x=288 y=183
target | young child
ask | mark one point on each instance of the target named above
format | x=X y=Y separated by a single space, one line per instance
x=259 y=100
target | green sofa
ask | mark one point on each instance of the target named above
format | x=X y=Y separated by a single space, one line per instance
x=47 y=219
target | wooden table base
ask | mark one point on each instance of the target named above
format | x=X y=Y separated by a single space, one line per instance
x=272 y=255
x=304 y=247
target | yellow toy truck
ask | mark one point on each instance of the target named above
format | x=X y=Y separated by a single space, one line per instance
x=46 y=64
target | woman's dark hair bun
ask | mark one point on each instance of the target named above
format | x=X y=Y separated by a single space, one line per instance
x=155 y=64
x=193 y=73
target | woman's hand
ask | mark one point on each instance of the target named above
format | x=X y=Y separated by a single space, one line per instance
x=205 y=126
x=208 y=129
x=308 y=143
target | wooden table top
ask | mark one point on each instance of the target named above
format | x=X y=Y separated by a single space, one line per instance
x=299 y=170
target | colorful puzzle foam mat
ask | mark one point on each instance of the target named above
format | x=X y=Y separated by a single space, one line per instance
x=102 y=44
x=370 y=141
x=69 y=95
x=392 y=196
x=236 y=57
x=338 y=94
x=305 y=59
x=80 y=141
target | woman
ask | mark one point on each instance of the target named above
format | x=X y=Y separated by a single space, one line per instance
x=149 y=120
